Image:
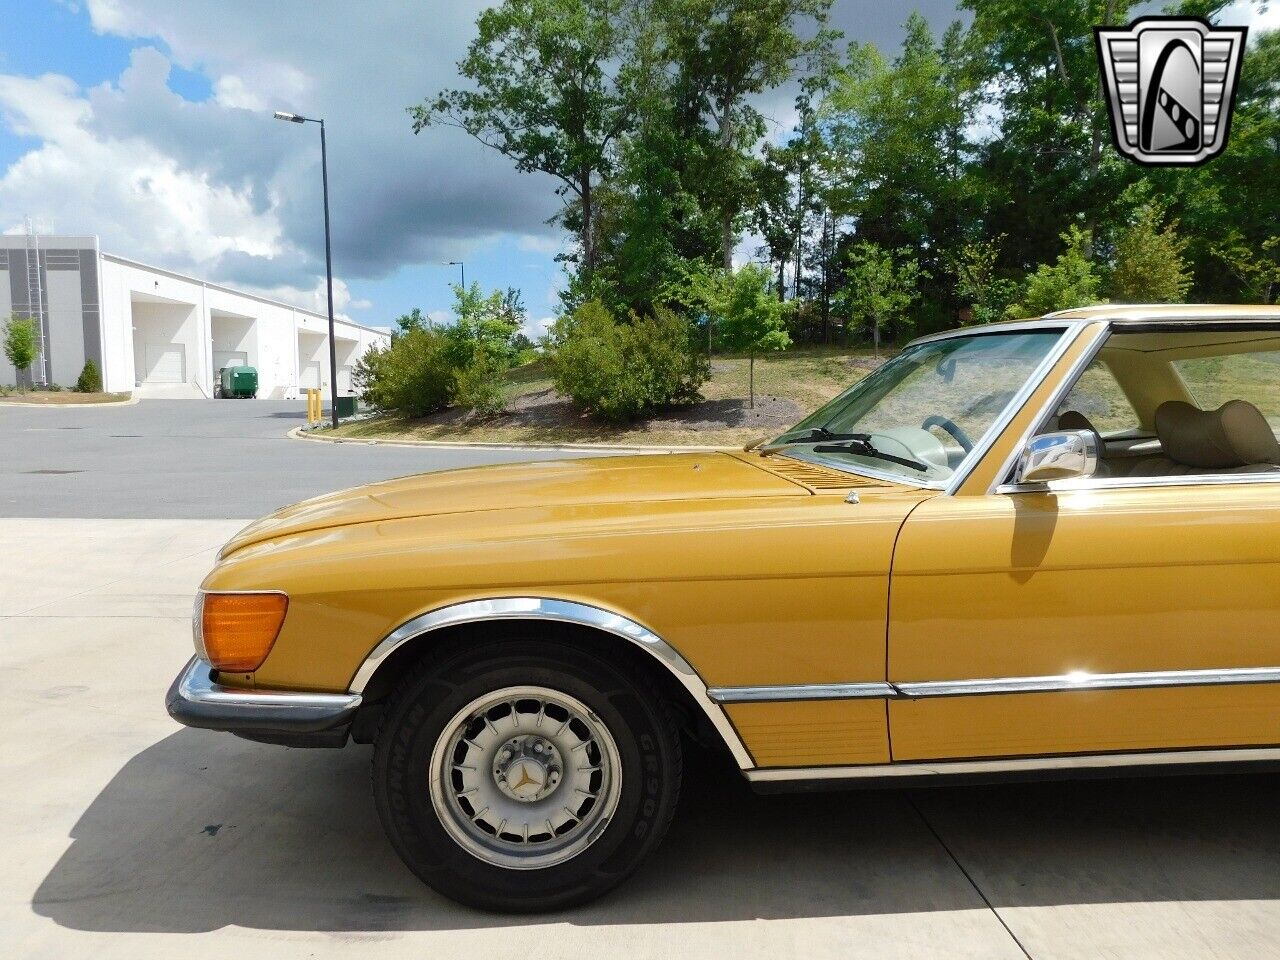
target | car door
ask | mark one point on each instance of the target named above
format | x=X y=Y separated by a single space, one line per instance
x=1121 y=615
x=1086 y=621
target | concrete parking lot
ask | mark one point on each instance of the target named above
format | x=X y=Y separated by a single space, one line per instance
x=128 y=836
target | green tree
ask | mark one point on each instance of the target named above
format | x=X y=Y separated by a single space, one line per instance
x=20 y=342
x=545 y=93
x=1258 y=270
x=485 y=326
x=899 y=133
x=881 y=287
x=413 y=320
x=986 y=294
x=1049 y=161
x=1070 y=281
x=724 y=53
x=751 y=317
x=1149 y=265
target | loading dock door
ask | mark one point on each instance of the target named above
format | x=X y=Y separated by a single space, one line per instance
x=166 y=363
x=344 y=380
x=311 y=374
x=229 y=358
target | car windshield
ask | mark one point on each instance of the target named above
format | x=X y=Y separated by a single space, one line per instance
x=918 y=416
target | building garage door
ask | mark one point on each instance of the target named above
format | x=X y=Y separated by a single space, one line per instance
x=229 y=358
x=311 y=374
x=166 y=363
x=344 y=380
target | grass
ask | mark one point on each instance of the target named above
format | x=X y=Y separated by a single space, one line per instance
x=788 y=386
x=55 y=398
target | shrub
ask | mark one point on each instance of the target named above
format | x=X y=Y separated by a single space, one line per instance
x=620 y=371
x=90 y=380
x=412 y=376
x=479 y=386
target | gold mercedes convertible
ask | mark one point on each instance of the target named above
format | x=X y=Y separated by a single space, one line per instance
x=1029 y=547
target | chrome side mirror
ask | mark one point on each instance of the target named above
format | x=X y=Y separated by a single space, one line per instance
x=1066 y=455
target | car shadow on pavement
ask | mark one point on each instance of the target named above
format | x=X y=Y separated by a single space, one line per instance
x=202 y=831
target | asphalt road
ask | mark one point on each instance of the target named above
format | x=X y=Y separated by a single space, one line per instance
x=190 y=459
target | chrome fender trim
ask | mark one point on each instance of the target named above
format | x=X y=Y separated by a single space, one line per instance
x=560 y=611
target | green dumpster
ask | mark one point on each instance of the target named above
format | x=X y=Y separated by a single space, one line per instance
x=346 y=407
x=238 y=382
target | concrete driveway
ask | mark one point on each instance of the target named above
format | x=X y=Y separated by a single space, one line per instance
x=127 y=836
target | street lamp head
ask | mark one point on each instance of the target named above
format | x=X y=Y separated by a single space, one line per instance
x=291 y=117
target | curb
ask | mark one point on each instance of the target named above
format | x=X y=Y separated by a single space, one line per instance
x=71 y=406
x=301 y=433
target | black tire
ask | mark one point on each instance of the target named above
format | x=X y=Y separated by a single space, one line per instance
x=648 y=748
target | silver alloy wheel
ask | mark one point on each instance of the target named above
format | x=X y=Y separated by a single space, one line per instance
x=525 y=777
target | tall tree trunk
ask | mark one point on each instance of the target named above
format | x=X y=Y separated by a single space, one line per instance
x=799 y=233
x=826 y=283
x=588 y=225
x=726 y=143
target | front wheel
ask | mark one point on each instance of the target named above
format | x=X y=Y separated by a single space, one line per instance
x=525 y=775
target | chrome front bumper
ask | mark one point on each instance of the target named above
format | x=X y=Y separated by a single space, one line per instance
x=277 y=716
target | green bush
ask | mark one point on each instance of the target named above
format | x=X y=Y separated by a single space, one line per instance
x=620 y=371
x=479 y=386
x=90 y=379
x=413 y=376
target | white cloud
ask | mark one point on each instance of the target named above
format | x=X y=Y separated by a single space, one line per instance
x=542 y=244
x=315 y=298
x=536 y=329
x=126 y=188
x=231 y=91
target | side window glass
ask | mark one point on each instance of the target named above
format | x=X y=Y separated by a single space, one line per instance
x=1255 y=377
x=1097 y=395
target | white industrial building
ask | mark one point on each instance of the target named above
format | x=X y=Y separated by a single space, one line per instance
x=154 y=332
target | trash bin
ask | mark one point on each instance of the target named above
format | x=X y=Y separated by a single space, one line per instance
x=238 y=382
x=346 y=407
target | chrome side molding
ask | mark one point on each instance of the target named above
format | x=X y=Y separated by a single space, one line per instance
x=1090 y=681
x=1059 y=683
x=560 y=611
x=807 y=691
x=1072 y=762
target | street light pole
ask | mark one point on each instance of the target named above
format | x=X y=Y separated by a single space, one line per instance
x=328 y=259
x=459 y=263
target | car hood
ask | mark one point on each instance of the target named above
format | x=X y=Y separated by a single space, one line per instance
x=554 y=483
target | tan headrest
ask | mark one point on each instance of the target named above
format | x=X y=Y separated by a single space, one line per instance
x=1234 y=435
x=1074 y=420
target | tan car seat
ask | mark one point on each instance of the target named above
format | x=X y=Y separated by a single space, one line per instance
x=1235 y=438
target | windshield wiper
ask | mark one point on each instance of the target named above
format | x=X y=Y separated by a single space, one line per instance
x=861 y=444
x=811 y=435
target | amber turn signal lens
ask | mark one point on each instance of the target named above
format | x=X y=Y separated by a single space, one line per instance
x=238 y=629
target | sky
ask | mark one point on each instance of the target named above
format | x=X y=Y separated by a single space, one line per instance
x=148 y=123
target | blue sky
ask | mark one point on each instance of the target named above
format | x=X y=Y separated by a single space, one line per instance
x=148 y=123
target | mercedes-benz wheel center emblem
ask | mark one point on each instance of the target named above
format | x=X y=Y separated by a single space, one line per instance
x=1170 y=84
